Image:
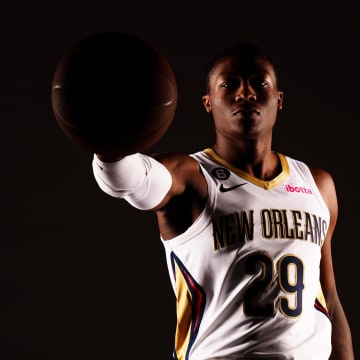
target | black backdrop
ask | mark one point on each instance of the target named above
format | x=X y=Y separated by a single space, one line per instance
x=82 y=275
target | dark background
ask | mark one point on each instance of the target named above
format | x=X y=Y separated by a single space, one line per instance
x=82 y=275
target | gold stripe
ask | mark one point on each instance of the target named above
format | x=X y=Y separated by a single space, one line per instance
x=184 y=318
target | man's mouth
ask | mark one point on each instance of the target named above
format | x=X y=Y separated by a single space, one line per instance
x=246 y=111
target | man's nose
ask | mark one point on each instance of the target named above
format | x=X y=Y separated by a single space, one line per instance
x=245 y=93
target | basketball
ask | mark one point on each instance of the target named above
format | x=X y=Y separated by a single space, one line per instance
x=114 y=94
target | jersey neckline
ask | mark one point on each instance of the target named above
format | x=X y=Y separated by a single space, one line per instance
x=265 y=184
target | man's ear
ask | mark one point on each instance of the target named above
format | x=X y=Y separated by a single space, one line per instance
x=280 y=100
x=206 y=102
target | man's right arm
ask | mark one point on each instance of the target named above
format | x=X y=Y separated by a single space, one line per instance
x=139 y=179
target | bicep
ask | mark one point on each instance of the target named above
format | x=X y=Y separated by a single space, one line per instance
x=185 y=173
x=327 y=189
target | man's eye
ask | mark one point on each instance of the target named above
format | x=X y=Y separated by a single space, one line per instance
x=259 y=83
x=231 y=84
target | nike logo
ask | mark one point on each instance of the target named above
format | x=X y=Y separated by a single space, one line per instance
x=226 y=189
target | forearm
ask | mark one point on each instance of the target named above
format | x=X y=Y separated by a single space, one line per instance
x=139 y=179
x=342 y=348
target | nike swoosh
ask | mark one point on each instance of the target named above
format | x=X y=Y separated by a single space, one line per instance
x=225 y=189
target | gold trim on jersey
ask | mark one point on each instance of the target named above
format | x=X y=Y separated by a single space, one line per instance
x=265 y=184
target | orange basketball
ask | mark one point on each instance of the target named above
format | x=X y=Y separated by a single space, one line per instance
x=114 y=94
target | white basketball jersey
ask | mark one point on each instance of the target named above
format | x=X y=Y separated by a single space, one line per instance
x=246 y=273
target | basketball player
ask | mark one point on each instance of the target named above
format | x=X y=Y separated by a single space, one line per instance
x=247 y=230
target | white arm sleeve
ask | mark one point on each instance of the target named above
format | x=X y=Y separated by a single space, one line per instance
x=139 y=179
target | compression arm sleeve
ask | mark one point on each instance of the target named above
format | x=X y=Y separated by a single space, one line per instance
x=139 y=179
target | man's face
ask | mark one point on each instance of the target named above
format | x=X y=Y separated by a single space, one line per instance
x=243 y=97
